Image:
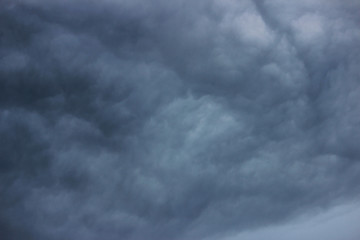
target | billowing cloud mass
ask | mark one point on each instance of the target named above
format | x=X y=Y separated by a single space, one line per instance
x=176 y=120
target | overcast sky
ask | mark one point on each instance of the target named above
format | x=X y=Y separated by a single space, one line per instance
x=179 y=120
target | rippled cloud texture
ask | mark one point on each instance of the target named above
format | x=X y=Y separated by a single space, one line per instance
x=176 y=120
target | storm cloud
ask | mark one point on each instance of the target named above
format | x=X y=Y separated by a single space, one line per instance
x=176 y=119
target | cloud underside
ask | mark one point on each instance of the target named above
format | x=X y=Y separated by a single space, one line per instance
x=183 y=120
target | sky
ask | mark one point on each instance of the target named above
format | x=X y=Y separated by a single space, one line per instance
x=179 y=120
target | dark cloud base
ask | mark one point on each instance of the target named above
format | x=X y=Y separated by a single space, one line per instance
x=151 y=120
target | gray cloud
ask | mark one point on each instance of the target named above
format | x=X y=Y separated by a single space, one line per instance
x=150 y=120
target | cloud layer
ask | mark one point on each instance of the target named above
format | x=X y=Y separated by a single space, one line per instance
x=183 y=120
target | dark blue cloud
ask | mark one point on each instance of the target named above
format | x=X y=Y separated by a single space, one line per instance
x=134 y=120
